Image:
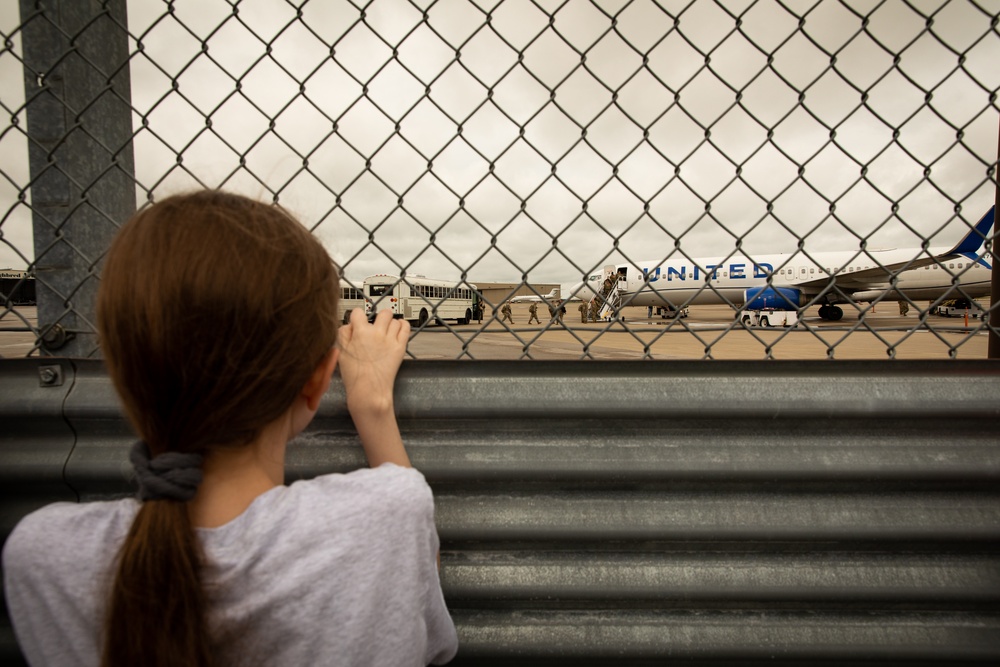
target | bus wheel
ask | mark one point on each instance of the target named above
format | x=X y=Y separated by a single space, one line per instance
x=423 y=317
x=467 y=318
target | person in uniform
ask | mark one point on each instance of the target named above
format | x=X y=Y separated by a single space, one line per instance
x=561 y=309
x=533 y=313
x=904 y=308
x=584 y=308
x=505 y=311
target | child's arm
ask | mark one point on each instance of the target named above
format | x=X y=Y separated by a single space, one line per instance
x=370 y=356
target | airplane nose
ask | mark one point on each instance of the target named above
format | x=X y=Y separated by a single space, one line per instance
x=581 y=290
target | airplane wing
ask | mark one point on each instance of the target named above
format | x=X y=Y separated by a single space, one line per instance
x=890 y=262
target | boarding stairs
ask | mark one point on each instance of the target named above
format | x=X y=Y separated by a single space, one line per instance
x=612 y=300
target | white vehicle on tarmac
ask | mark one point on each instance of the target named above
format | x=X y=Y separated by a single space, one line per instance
x=769 y=317
x=766 y=307
x=670 y=313
x=418 y=299
x=959 y=308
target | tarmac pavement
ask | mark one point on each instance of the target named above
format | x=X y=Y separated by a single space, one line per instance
x=709 y=333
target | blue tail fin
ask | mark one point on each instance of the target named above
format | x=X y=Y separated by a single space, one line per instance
x=973 y=241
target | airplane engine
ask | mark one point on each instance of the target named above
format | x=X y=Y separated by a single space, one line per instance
x=779 y=298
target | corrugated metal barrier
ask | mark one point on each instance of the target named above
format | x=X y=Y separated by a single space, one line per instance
x=629 y=513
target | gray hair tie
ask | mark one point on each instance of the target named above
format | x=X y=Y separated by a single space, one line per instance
x=169 y=476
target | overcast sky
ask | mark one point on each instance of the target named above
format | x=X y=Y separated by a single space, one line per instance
x=631 y=77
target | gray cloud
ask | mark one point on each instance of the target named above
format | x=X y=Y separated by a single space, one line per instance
x=662 y=147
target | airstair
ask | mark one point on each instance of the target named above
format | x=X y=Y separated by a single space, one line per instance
x=611 y=296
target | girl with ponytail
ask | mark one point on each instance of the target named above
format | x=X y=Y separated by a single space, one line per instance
x=217 y=317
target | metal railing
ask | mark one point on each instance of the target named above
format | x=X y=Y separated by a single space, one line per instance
x=723 y=513
x=523 y=142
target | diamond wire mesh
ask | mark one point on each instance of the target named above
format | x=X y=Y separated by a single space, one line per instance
x=528 y=142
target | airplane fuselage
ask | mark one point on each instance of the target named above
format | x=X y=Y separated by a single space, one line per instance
x=712 y=281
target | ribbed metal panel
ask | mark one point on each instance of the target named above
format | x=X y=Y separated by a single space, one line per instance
x=640 y=512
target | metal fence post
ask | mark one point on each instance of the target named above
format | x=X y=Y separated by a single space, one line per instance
x=77 y=91
x=993 y=349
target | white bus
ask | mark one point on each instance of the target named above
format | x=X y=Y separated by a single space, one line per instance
x=419 y=299
x=351 y=297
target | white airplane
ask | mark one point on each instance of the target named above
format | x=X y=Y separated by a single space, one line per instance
x=799 y=280
x=551 y=296
x=576 y=292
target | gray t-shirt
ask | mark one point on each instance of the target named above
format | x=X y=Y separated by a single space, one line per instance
x=340 y=569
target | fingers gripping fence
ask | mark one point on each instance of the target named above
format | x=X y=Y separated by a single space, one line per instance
x=496 y=147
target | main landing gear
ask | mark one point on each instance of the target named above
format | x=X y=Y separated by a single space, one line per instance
x=832 y=313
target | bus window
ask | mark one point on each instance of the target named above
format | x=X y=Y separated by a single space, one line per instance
x=379 y=290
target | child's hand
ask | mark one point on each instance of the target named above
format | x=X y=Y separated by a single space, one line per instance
x=370 y=356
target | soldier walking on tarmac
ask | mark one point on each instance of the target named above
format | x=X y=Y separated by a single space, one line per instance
x=584 y=309
x=533 y=313
x=505 y=311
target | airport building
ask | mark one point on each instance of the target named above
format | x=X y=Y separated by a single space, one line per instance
x=16 y=287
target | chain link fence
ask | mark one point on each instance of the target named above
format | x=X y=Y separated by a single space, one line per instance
x=718 y=146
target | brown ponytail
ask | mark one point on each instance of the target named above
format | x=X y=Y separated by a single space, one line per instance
x=213 y=312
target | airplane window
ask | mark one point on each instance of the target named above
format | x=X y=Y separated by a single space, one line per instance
x=951 y=265
x=812 y=270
